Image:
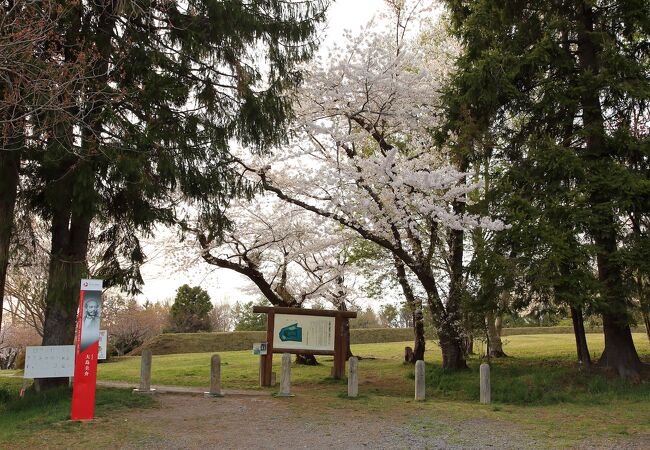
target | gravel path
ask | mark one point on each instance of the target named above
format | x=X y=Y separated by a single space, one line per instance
x=169 y=389
x=253 y=419
x=263 y=422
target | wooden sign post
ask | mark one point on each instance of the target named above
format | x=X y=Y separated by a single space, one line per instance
x=304 y=331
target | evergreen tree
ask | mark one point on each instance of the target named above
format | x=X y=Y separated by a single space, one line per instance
x=246 y=319
x=191 y=310
x=564 y=85
x=172 y=85
x=33 y=82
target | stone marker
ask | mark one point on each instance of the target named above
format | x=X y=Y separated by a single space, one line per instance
x=419 y=380
x=485 y=383
x=353 y=376
x=215 y=377
x=273 y=377
x=285 y=376
x=145 y=374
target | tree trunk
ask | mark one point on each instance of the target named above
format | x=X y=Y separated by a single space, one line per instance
x=346 y=333
x=449 y=333
x=468 y=345
x=418 y=333
x=67 y=266
x=451 y=345
x=581 y=338
x=9 y=166
x=619 y=352
x=70 y=196
x=415 y=306
x=494 y=335
x=346 y=329
x=447 y=323
x=645 y=305
x=306 y=360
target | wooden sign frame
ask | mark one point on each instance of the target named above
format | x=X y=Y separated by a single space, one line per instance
x=340 y=338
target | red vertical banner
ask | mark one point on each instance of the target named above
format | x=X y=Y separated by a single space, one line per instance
x=87 y=344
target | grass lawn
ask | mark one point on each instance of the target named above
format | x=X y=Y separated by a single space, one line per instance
x=539 y=387
x=536 y=364
x=24 y=418
x=539 y=390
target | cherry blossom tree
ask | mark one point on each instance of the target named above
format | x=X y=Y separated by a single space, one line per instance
x=290 y=255
x=363 y=156
x=287 y=254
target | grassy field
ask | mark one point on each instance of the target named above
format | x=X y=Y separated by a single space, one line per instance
x=177 y=343
x=540 y=370
x=28 y=416
x=539 y=390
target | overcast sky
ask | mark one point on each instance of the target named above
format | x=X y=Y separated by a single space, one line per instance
x=162 y=280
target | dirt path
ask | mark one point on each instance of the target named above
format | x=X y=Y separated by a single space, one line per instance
x=264 y=422
x=184 y=419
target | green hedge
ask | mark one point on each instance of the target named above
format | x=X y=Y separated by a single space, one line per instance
x=170 y=343
x=373 y=335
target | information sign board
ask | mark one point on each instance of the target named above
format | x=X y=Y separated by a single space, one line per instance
x=103 y=344
x=303 y=332
x=91 y=285
x=49 y=361
x=259 y=348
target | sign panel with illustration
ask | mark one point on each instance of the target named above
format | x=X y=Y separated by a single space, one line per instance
x=303 y=332
x=49 y=361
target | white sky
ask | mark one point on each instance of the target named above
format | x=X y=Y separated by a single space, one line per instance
x=223 y=285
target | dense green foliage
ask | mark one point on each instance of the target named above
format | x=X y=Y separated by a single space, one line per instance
x=246 y=320
x=173 y=84
x=191 y=309
x=551 y=104
x=167 y=87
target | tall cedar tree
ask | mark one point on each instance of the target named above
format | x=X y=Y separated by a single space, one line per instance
x=32 y=82
x=565 y=85
x=174 y=84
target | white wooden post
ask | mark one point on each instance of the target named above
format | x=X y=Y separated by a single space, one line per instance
x=419 y=380
x=215 y=377
x=285 y=377
x=353 y=376
x=485 y=383
x=145 y=374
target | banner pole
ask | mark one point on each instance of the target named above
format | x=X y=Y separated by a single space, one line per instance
x=86 y=347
